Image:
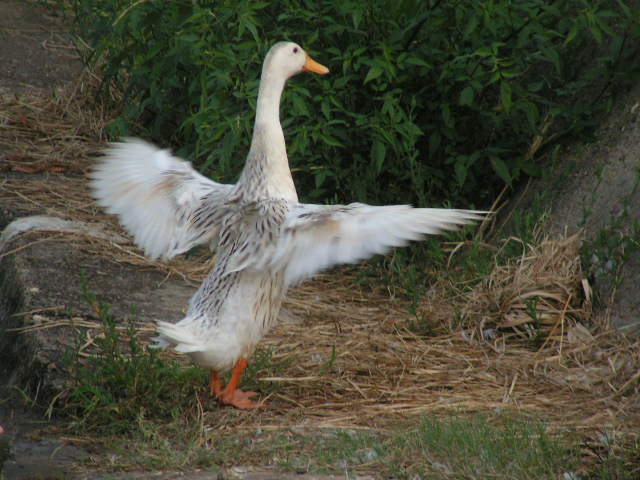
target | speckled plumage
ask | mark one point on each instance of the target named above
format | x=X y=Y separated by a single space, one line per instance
x=266 y=240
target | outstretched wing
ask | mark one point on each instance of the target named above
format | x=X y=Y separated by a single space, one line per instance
x=315 y=237
x=160 y=199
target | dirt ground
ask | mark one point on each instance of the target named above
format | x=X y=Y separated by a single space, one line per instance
x=383 y=372
x=34 y=49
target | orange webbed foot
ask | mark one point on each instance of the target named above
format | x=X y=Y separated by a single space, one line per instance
x=231 y=395
x=240 y=399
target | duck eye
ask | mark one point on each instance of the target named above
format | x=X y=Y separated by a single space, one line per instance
x=295 y=49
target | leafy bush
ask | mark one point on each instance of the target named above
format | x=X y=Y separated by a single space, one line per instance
x=427 y=100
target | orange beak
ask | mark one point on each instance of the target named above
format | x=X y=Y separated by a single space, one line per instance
x=312 y=66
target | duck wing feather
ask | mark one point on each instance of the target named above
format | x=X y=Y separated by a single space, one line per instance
x=161 y=200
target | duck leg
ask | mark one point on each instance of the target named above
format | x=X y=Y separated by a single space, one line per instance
x=232 y=395
x=215 y=385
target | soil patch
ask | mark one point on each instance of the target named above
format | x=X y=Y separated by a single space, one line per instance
x=35 y=48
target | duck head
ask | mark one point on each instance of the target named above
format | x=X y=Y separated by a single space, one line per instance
x=288 y=59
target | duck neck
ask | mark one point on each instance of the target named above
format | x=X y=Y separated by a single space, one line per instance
x=269 y=95
x=267 y=164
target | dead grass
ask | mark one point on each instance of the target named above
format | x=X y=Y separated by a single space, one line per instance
x=522 y=339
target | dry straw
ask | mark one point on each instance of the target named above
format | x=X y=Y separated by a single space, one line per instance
x=523 y=338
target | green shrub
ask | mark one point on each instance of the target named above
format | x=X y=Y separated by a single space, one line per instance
x=122 y=384
x=427 y=100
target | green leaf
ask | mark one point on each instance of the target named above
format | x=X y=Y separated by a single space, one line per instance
x=446 y=115
x=325 y=109
x=378 y=153
x=373 y=73
x=531 y=169
x=596 y=32
x=483 y=52
x=117 y=128
x=572 y=34
x=552 y=55
x=460 y=168
x=535 y=86
x=505 y=95
x=249 y=24
x=471 y=26
x=417 y=61
x=509 y=74
x=532 y=114
x=466 y=96
x=300 y=105
x=329 y=140
x=321 y=175
x=501 y=169
x=356 y=17
x=434 y=142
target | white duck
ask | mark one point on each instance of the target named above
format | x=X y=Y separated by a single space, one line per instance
x=266 y=240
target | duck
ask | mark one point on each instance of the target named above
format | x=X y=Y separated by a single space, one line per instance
x=265 y=239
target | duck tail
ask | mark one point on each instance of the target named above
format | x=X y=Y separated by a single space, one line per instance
x=176 y=335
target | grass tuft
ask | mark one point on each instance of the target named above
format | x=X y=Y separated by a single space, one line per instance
x=461 y=447
x=479 y=447
x=122 y=383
